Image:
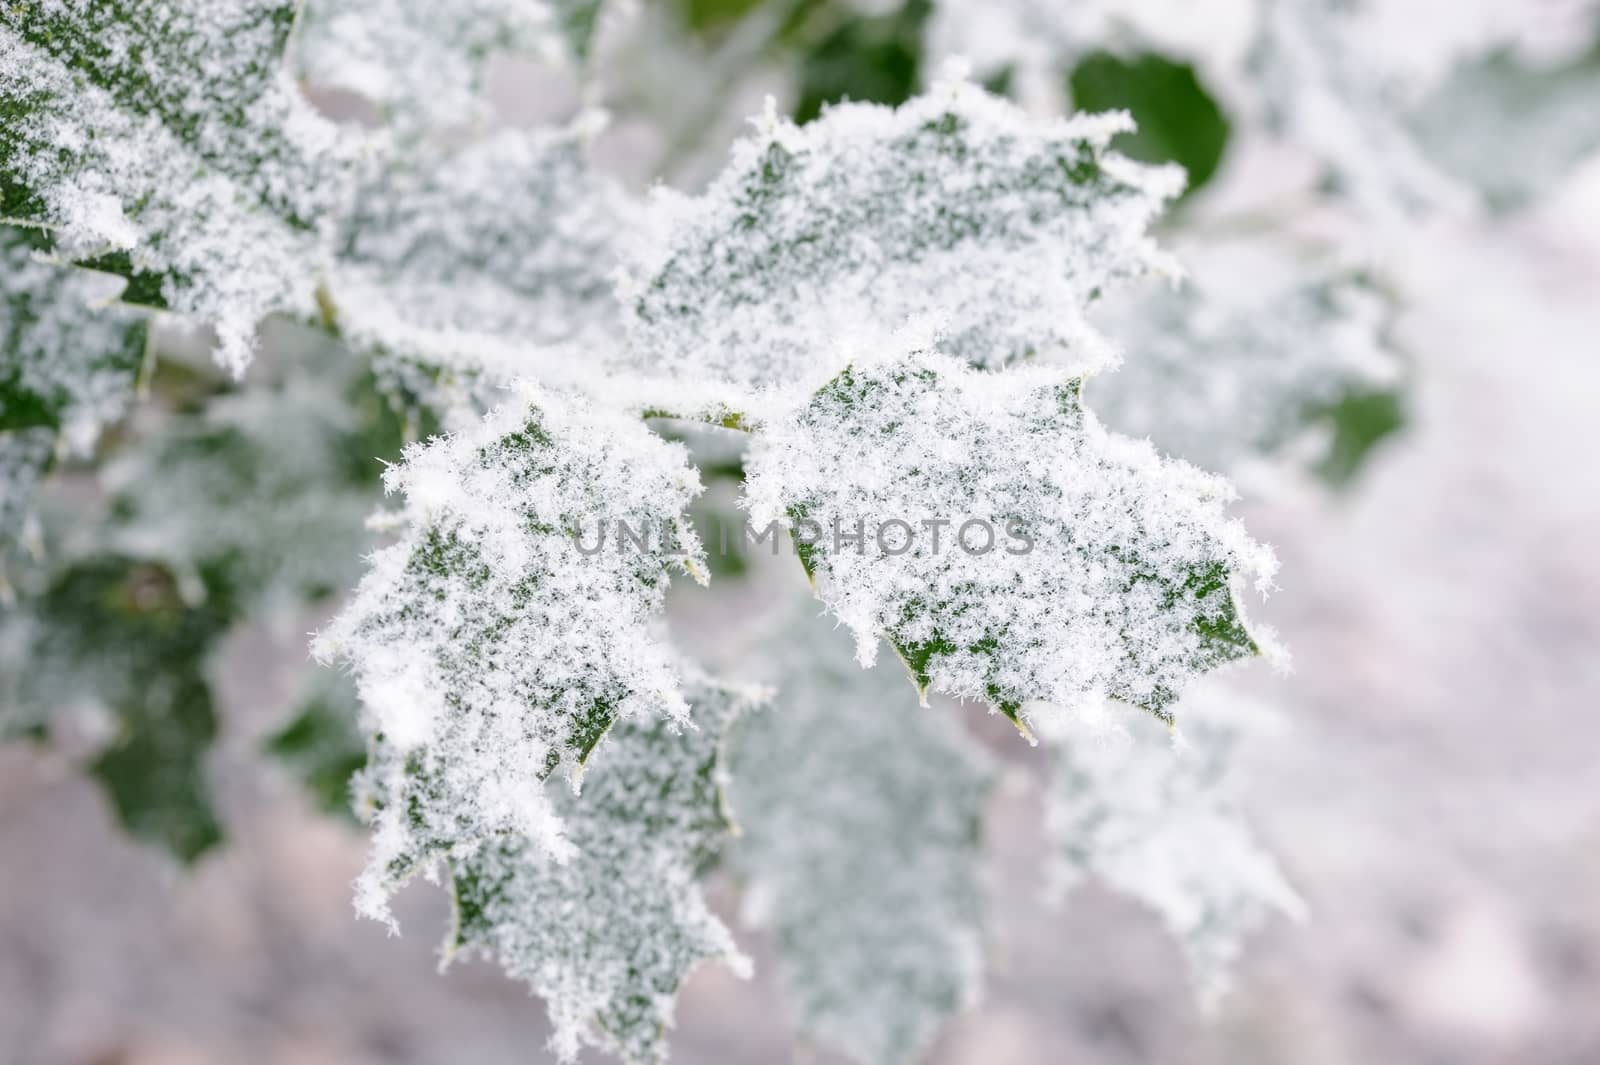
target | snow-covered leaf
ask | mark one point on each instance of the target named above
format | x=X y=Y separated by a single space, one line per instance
x=269 y=484
x=166 y=141
x=321 y=745
x=578 y=22
x=860 y=816
x=607 y=937
x=955 y=205
x=511 y=625
x=24 y=457
x=463 y=270
x=421 y=63
x=109 y=640
x=67 y=367
x=1071 y=564
x=1327 y=95
x=1274 y=365
x=1156 y=818
x=1513 y=128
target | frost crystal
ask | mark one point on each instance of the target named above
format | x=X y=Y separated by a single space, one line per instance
x=421 y=62
x=1156 y=819
x=167 y=142
x=494 y=643
x=1227 y=377
x=860 y=815
x=955 y=205
x=608 y=936
x=467 y=269
x=1007 y=546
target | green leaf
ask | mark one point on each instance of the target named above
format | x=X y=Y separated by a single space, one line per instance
x=1178 y=120
x=321 y=746
x=1360 y=421
x=512 y=623
x=462 y=270
x=1511 y=128
x=113 y=634
x=707 y=15
x=577 y=21
x=167 y=141
x=1287 y=365
x=68 y=365
x=956 y=205
x=864 y=58
x=860 y=816
x=423 y=64
x=608 y=936
x=1071 y=565
x=1156 y=817
x=270 y=483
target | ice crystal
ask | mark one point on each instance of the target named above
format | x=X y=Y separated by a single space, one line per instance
x=860 y=814
x=955 y=205
x=167 y=141
x=1156 y=818
x=1008 y=547
x=608 y=936
x=511 y=624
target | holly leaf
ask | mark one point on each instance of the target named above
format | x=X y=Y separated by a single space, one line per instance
x=270 y=483
x=464 y=270
x=954 y=205
x=511 y=624
x=866 y=58
x=423 y=64
x=111 y=637
x=860 y=848
x=167 y=142
x=1291 y=364
x=321 y=745
x=607 y=937
x=1007 y=546
x=68 y=365
x=1177 y=120
x=1512 y=128
x=578 y=21
x=1326 y=95
x=1155 y=816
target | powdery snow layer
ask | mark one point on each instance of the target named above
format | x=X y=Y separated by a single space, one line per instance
x=171 y=137
x=489 y=649
x=1071 y=564
x=955 y=206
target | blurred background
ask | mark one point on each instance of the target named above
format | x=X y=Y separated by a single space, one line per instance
x=1430 y=781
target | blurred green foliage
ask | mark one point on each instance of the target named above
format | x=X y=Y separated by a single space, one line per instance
x=1179 y=120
